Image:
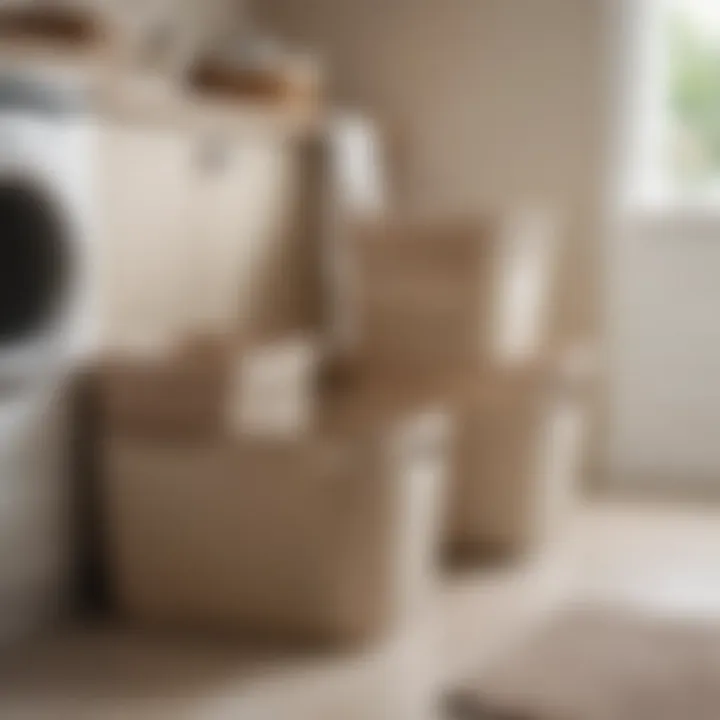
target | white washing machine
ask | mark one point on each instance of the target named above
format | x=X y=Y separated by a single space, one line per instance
x=47 y=141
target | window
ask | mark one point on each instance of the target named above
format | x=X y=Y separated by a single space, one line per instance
x=677 y=101
x=692 y=30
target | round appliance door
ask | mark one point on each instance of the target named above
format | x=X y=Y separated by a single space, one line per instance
x=34 y=261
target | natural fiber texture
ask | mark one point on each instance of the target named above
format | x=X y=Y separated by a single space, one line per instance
x=602 y=664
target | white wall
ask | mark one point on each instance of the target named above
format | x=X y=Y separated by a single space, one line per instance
x=665 y=399
x=661 y=295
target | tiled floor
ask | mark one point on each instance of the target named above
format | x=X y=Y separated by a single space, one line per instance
x=660 y=559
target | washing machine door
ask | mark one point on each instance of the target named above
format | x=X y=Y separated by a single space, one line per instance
x=34 y=261
x=45 y=202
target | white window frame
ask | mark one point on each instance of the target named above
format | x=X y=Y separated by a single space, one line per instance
x=644 y=183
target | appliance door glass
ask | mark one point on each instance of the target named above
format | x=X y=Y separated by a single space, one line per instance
x=34 y=262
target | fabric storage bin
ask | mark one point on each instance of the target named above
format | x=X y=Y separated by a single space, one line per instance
x=518 y=451
x=211 y=387
x=453 y=296
x=331 y=539
x=176 y=393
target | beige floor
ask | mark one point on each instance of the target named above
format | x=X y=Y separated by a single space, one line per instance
x=664 y=560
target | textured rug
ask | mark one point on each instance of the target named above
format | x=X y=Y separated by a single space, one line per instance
x=601 y=664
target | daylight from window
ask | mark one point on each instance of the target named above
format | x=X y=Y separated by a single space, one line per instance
x=693 y=94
